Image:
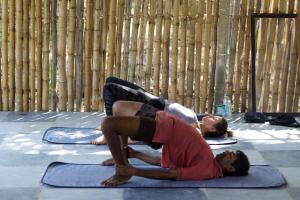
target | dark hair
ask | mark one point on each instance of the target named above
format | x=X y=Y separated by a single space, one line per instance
x=221 y=130
x=241 y=165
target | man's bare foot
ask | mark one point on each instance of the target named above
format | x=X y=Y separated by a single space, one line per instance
x=108 y=162
x=100 y=140
x=115 y=180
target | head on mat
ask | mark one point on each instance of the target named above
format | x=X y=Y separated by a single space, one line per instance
x=213 y=126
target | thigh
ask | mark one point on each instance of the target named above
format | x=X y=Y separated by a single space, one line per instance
x=126 y=108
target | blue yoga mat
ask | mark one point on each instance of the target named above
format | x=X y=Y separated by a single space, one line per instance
x=60 y=174
x=66 y=135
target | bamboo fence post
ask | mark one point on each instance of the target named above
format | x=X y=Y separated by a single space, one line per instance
x=25 y=73
x=278 y=57
x=133 y=46
x=46 y=37
x=88 y=46
x=79 y=52
x=208 y=23
x=246 y=63
x=96 y=56
x=19 y=56
x=198 y=56
x=166 y=50
x=297 y=90
x=53 y=65
x=120 y=15
x=268 y=58
x=4 y=54
x=32 y=56
x=191 y=54
x=70 y=54
x=237 y=86
x=181 y=71
x=174 y=60
x=11 y=77
x=298 y=29
x=257 y=6
x=234 y=15
x=150 y=44
x=261 y=51
x=140 y=72
x=214 y=57
x=38 y=46
x=112 y=35
x=61 y=59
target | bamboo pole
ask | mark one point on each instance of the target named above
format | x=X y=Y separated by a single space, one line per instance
x=165 y=53
x=121 y=4
x=181 y=74
x=150 y=44
x=191 y=53
x=25 y=73
x=79 y=52
x=96 y=56
x=125 y=61
x=88 y=46
x=297 y=90
x=19 y=56
x=157 y=48
x=11 y=77
x=61 y=53
x=237 y=86
x=133 y=46
x=257 y=6
x=268 y=58
x=32 y=56
x=208 y=24
x=38 y=46
x=53 y=65
x=174 y=62
x=46 y=36
x=198 y=56
x=214 y=57
x=4 y=54
x=112 y=35
x=140 y=72
x=70 y=54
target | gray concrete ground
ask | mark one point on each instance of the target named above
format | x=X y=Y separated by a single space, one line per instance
x=24 y=158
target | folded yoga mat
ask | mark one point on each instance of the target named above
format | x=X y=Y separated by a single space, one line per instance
x=65 y=135
x=60 y=174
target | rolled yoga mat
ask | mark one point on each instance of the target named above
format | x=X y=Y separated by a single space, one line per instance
x=70 y=175
x=66 y=135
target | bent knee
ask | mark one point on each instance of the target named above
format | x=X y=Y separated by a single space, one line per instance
x=107 y=125
x=117 y=108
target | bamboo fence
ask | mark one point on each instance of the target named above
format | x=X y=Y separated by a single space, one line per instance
x=56 y=55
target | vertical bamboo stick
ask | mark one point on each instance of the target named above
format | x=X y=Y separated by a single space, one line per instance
x=165 y=53
x=140 y=72
x=19 y=56
x=112 y=34
x=46 y=36
x=198 y=56
x=191 y=53
x=53 y=66
x=208 y=23
x=4 y=53
x=174 y=51
x=87 y=55
x=11 y=77
x=214 y=57
x=70 y=54
x=61 y=59
x=297 y=90
x=257 y=6
x=121 y=4
x=150 y=44
x=96 y=55
x=32 y=56
x=25 y=73
x=133 y=46
x=38 y=46
x=181 y=74
x=79 y=52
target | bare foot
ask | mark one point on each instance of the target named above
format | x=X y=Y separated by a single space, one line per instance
x=108 y=162
x=115 y=180
x=100 y=140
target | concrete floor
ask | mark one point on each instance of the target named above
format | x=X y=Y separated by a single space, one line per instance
x=24 y=158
